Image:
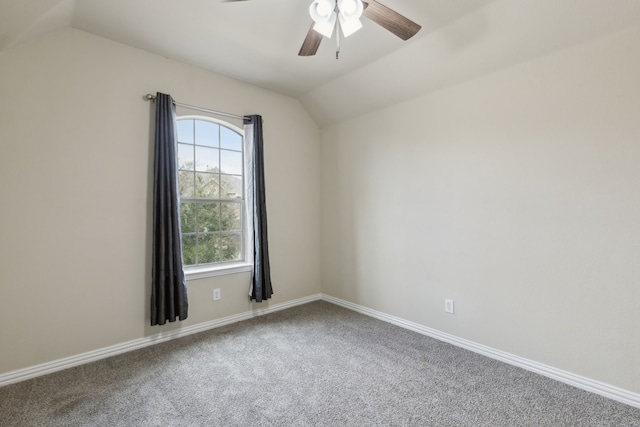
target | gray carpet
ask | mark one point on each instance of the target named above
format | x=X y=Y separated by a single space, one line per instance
x=312 y=365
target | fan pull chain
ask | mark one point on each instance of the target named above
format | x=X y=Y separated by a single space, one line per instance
x=337 y=40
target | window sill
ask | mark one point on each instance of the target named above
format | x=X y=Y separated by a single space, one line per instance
x=220 y=270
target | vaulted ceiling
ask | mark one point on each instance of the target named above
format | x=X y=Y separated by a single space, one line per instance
x=257 y=41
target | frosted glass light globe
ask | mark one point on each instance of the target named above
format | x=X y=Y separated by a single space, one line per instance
x=348 y=6
x=323 y=9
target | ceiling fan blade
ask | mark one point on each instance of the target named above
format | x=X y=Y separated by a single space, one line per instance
x=391 y=20
x=311 y=43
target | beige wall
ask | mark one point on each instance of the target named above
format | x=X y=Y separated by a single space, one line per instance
x=517 y=195
x=75 y=164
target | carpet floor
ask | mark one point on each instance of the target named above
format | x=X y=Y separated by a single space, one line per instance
x=313 y=365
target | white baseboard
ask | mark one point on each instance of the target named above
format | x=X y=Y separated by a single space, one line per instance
x=603 y=389
x=92 y=356
x=606 y=390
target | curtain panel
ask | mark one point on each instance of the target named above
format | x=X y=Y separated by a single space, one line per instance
x=168 y=287
x=261 y=288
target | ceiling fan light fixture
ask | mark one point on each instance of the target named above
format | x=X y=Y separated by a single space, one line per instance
x=349 y=26
x=323 y=14
x=351 y=8
x=350 y=12
x=322 y=10
x=326 y=27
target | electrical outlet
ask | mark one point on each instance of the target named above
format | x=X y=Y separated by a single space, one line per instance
x=216 y=294
x=448 y=306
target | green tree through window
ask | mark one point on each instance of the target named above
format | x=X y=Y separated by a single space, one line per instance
x=211 y=184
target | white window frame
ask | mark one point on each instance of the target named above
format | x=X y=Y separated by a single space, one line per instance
x=223 y=268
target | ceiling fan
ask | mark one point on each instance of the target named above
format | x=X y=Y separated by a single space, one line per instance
x=345 y=14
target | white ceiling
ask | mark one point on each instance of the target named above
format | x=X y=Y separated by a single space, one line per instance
x=257 y=41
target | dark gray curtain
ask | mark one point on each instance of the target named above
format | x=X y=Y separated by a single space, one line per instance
x=168 y=287
x=256 y=206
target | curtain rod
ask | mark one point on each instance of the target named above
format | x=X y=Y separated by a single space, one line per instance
x=150 y=97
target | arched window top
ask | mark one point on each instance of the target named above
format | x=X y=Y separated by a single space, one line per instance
x=207 y=131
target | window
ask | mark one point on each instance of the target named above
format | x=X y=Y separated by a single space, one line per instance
x=211 y=185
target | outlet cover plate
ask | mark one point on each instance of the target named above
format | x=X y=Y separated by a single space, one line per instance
x=448 y=306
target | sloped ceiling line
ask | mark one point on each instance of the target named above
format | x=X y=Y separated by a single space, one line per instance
x=257 y=41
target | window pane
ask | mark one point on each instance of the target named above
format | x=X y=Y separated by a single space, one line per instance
x=230 y=219
x=230 y=139
x=208 y=217
x=231 y=162
x=189 y=249
x=207 y=133
x=231 y=187
x=230 y=246
x=210 y=166
x=186 y=184
x=185 y=156
x=188 y=217
x=208 y=248
x=207 y=186
x=185 y=131
x=207 y=159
